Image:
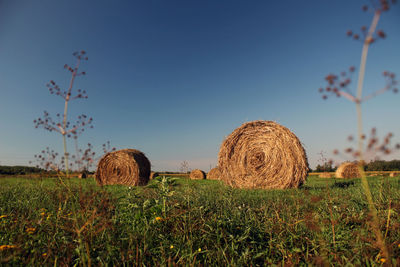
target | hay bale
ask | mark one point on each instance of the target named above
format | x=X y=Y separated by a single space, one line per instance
x=325 y=175
x=154 y=175
x=83 y=175
x=214 y=174
x=127 y=167
x=348 y=170
x=197 y=174
x=262 y=154
x=393 y=174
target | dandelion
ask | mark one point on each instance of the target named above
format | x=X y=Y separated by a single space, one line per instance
x=4 y=247
x=158 y=219
x=171 y=247
x=383 y=260
x=3 y=216
x=199 y=249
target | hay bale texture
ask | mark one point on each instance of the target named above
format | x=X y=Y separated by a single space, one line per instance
x=197 y=174
x=262 y=154
x=127 y=167
x=214 y=174
x=348 y=170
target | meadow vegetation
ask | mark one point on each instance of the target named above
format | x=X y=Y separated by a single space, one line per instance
x=178 y=221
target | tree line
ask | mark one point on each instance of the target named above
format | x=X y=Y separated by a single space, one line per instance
x=17 y=170
x=376 y=165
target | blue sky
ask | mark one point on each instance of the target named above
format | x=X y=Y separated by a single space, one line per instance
x=173 y=78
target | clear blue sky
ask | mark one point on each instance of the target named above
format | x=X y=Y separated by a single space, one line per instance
x=173 y=78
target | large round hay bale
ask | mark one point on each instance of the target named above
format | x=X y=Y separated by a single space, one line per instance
x=127 y=167
x=348 y=170
x=262 y=154
x=214 y=174
x=154 y=175
x=197 y=174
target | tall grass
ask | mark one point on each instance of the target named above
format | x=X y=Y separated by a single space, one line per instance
x=184 y=222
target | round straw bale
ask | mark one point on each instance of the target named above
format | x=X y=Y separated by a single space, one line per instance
x=214 y=174
x=348 y=170
x=83 y=175
x=325 y=175
x=393 y=174
x=154 y=175
x=262 y=154
x=126 y=167
x=197 y=174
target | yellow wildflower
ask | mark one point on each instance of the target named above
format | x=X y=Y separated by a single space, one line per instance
x=4 y=247
x=43 y=213
x=158 y=219
x=383 y=260
x=44 y=254
x=30 y=230
x=398 y=245
x=3 y=216
x=171 y=247
x=199 y=249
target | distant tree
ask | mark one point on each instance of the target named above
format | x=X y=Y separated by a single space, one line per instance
x=184 y=167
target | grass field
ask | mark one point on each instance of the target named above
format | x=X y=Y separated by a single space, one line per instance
x=183 y=222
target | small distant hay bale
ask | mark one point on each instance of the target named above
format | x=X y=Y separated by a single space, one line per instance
x=214 y=174
x=393 y=174
x=197 y=174
x=262 y=154
x=348 y=170
x=325 y=175
x=154 y=175
x=83 y=175
x=127 y=167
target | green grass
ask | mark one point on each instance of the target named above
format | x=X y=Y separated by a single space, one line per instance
x=185 y=222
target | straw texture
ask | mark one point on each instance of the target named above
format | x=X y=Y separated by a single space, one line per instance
x=197 y=174
x=348 y=170
x=126 y=167
x=214 y=174
x=262 y=154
